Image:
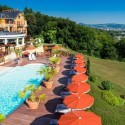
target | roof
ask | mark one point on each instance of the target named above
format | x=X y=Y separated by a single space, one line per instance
x=12 y=14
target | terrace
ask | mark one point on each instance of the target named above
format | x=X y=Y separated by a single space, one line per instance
x=45 y=112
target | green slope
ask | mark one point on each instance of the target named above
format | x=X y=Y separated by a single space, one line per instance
x=115 y=72
x=110 y=70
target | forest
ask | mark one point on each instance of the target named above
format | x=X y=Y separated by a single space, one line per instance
x=90 y=41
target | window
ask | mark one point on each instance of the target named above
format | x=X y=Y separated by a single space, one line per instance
x=7 y=21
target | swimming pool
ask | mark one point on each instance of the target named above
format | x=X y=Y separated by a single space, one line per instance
x=14 y=81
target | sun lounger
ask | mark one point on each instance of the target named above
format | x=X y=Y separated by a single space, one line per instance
x=53 y=122
x=33 y=57
x=63 y=94
x=61 y=108
x=72 y=72
x=30 y=57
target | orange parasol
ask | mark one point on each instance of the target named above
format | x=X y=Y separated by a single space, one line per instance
x=79 y=56
x=30 y=48
x=79 y=61
x=56 y=47
x=80 y=69
x=80 y=65
x=78 y=101
x=80 y=78
x=25 y=53
x=80 y=118
x=78 y=87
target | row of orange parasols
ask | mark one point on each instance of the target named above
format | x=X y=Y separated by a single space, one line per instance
x=79 y=99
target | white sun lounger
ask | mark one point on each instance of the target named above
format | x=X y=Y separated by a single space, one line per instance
x=30 y=57
x=63 y=94
x=33 y=57
x=61 y=108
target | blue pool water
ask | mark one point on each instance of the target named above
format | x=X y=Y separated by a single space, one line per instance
x=14 y=81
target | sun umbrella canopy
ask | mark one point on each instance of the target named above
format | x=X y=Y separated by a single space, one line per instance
x=80 y=65
x=80 y=78
x=79 y=61
x=80 y=69
x=79 y=56
x=78 y=101
x=25 y=53
x=78 y=87
x=80 y=118
x=30 y=48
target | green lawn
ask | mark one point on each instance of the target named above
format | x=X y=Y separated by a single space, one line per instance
x=110 y=70
x=115 y=72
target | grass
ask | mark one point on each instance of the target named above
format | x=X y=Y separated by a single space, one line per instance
x=115 y=72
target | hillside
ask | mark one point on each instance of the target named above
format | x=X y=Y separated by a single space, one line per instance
x=113 y=71
x=110 y=70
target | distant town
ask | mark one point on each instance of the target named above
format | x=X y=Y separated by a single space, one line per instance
x=117 y=29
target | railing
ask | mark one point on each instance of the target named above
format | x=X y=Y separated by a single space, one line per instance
x=20 y=25
x=5 y=25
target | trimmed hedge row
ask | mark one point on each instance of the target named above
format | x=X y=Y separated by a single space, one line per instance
x=112 y=99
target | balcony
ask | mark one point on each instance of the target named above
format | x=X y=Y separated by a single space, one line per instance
x=6 y=25
x=20 y=25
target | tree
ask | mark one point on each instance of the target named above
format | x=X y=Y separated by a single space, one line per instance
x=31 y=20
x=88 y=66
x=83 y=39
x=120 y=46
x=108 y=51
x=4 y=7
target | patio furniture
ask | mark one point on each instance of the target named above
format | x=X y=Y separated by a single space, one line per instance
x=33 y=57
x=61 y=108
x=63 y=94
x=80 y=78
x=78 y=101
x=53 y=122
x=72 y=72
x=80 y=118
x=30 y=57
x=78 y=87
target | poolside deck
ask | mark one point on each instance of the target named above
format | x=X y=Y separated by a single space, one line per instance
x=41 y=116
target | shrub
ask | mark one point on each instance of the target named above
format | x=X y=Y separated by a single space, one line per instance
x=48 y=72
x=2 y=117
x=112 y=99
x=107 y=85
x=55 y=60
x=92 y=78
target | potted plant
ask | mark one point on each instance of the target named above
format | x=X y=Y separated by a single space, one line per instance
x=2 y=118
x=48 y=73
x=18 y=53
x=57 y=52
x=55 y=61
x=35 y=98
x=33 y=101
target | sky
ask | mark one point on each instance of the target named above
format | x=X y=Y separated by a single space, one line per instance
x=81 y=11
